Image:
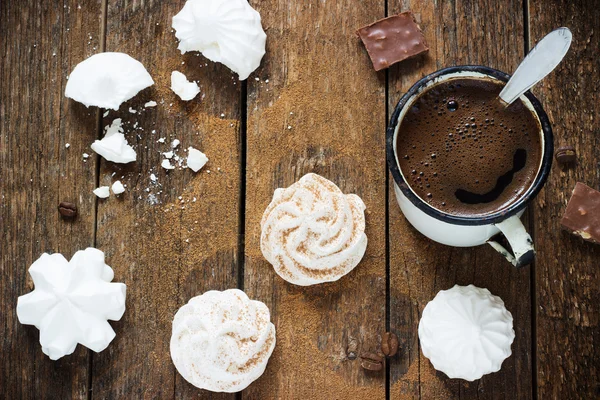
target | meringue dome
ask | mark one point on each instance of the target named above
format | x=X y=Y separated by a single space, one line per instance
x=107 y=80
x=222 y=341
x=312 y=232
x=466 y=332
x=225 y=31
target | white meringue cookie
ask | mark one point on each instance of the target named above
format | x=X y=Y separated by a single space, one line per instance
x=113 y=146
x=312 y=232
x=466 y=332
x=107 y=80
x=225 y=31
x=222 y=341
x=72 y=301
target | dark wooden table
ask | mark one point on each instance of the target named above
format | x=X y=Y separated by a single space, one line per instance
x=317 y=80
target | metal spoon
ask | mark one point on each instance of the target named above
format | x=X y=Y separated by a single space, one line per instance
x=540 y=61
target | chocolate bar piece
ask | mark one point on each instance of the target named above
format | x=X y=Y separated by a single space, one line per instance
x=393 y=39
x=582 y=217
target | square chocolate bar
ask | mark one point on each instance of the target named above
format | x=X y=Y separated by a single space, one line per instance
x=582 y=217
x=393 y=39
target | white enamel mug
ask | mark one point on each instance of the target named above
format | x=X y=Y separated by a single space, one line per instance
x=465 y=231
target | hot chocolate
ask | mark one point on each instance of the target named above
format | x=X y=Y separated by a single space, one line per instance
x=463 y=152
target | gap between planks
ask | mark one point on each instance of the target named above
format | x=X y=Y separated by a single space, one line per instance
x=103 y=24
x=531 y=219
x=388 y=298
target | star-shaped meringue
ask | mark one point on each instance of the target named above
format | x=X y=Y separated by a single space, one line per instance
x=72 y=301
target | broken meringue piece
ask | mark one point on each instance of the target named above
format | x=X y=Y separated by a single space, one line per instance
x=466 y=332
x=113 y=146
x=149 y=104
x=107 y=80
x=72 y=302
x=183 y=88
x=166 y=164
x=102 y=192
x=222 y=341
x=196 y=159
x=312 y=232
x=117 y=187
x=225 y=31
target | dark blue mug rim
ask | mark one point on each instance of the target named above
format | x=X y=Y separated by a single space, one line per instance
x=492 y=218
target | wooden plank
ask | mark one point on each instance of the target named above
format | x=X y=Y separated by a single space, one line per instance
x=40 y=43
x=459 y=32
x=318 y=106
x=567 y=279
x=166 y=248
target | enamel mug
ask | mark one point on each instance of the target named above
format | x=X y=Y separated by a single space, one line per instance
x=465 y=231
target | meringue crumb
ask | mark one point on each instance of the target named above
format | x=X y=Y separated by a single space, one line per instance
x=166 y=164
x=175 y=143
x=102 y=192
x=186 y=90
x=117 y=187
x=196 y=159
x=67 y=145
x=151 y=103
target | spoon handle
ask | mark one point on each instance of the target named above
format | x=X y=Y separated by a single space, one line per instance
x=540 y=61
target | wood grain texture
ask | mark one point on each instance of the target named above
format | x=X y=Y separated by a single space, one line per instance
x=177 y=237
x=567 y=275
x=458 y=32
x=317 y=106
x=40 y=43
x=322 y=110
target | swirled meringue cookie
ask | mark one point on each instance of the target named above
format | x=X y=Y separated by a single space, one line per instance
x=466 y=332
x=312 y=232
x=222 y=341
x=225 y=31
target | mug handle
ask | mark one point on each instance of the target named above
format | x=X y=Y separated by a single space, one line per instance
x=520 y=242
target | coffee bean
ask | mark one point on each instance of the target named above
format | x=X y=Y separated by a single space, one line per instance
x=67 y=210
x=371 y=361
x=389 y=344
x=565 y=155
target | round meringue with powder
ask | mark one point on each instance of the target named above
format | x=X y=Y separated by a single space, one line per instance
x=222 y=341
x=312 y=232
